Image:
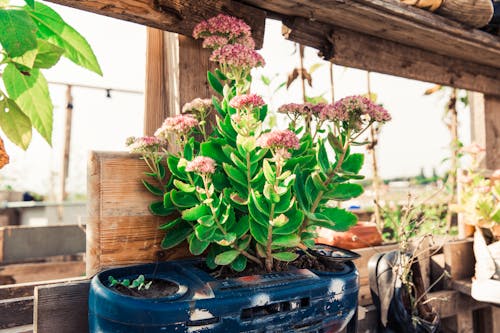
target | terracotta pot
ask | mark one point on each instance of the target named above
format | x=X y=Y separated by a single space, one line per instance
x=363 y=234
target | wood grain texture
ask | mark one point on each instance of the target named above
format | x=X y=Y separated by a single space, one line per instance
x=23 y=273
x=358 y=50
x=25 y=243
x=27 y=289
x=492 y=131
x=459 y=259
x=394 y=21
x=16 y=312
x=61 y=308
x=121 y=230
x=162 y=75
x=474 y=13
x=172 y=15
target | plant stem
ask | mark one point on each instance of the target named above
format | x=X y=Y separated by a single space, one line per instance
x=269 y=254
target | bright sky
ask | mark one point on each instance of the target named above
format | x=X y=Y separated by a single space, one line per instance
x=415 y=138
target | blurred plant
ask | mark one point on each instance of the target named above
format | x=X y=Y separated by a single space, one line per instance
x=139 y=283
x=34 y=37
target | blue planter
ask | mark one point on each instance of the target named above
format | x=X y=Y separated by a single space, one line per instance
x=298 y=300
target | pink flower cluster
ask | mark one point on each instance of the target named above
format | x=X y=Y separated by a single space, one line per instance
x=198 y=105
x=354 y=106
x=247 y=101
x=222 y=25
x=279 y=139
x=215 y=42
x=202 y=165
x=181 y=125
x=237 y=55
x=143 y=144
x=294 y=108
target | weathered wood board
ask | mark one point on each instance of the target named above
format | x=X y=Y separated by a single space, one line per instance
x=16 y=312
x=30 y=272
x=26 y=243
x=120 y=228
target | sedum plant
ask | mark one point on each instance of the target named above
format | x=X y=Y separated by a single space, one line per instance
x=239 y=192
x=33 y=37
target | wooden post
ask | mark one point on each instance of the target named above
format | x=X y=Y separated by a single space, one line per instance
x=67 y=147
x=161 y=97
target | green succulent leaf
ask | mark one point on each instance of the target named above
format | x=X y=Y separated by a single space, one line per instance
x=239 y=263
x=183 y=186
x=268 y=172
x=170 y=224
x=215 y=83
x=196 y=246
x=258 y=232
x=18 y=33
x=157 y=208
x=225 y=258
x=196 y=212
x=323 y=160
x=291 y=240
x=183 y=200
x=295 y=219
x=340 y=219
x=204 y=233
x=241 y=226
x=214 y=150
x=353 y=163
x=175 y=236
x=153 y=189
x=345 y=191
x=285 y=256
x=235 y=174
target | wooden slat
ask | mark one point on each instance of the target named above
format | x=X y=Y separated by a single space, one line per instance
x=16 y=312
x=394 y=21
x=459 y=259
x=492 y=131
x=120 y=229
x=61 y=308
x=23 y=273
x=358 y=50
x=24 y=243
x=172 y=15
x=27 y=289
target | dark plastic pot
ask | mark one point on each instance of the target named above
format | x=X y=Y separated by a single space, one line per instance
x=298 y=300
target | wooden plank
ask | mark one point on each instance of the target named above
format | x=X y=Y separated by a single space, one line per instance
x=61 y=308
x=173 y=15
x=16 y=312
x=394 y=21
x=492 y=131
x=27 y=289
x=19 y=329
x=162 y=75
x=358 y=50
x=23 y=273
x=24 y=243
x=120 y=229
x=465 y=321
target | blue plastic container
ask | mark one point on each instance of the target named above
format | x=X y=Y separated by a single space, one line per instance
x=295 y=301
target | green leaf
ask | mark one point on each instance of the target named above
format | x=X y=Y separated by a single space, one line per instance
x=18 y=32
x=183 y=200
x=183 y=186
x=175 y=236
x=286 y=202
x=226 y=239
x=14 y=123
x=153 y=189
x=257 y=215
x=52 y=28
x=31 y=94
x=342 y=220
x=214 y=83
x=204 y=233
x=207 y=220
x=170 y=224
x=172 y=163
x=193 y=214
x=258 y=232
x=27 y=60
x=157 y=208
x=285 y=256
x=259 y=203
x=270 y=194
x=241 y=227
x=353 y=163
x=345 y=191
x=196 y=246
x=318 y=181
x=268 y=172
x=48 y=54
x=291 y=240
x=295 y=219
x=30 y=3
x=225 y=258
x=323 y=161
x=214 y=150
x=239 y=263
x=235 y=174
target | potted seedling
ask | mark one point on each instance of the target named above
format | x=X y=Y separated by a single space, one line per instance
x=247 y=199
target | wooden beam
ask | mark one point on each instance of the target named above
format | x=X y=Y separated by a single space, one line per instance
x=24 y=243
x=173 y=15
x=23 y=273
x=459 y=259
x=394 y=21
x=61 y=308
x=16 y=312
x=358 y=50
x=492 y=131
x=27 y=289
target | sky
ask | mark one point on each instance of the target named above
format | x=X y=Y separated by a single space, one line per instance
x=416 y=137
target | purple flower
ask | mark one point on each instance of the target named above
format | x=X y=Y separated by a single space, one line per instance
x=279 y=139
x=247 y=101
x=181 y=125
x=237 y=55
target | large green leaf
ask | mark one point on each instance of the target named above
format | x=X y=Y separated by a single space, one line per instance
x=291 y=240
x=176 y=236
x=14 y=123
x=192 y=214
x=259 y=233
x=52 y=27
x=157 y=208
x=214 y=150
x=345 y=191
x=240 y=227
x=353 y=163
x=239 y=263
x=225 y=258
x=196 y=246
x=48 y=54
x=183 y=200
x=31 y=93
x=214 y=83
x=17 y=33
x=285 y=256
x=341 y=219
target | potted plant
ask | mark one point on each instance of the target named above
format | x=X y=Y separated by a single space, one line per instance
x=480 y=206
x=249 y=200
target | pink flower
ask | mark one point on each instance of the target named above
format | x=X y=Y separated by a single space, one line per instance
x=201 y=164
x=317 y=108
x=143 y=144
x=181 y=125
x=248 y=101
x=214 y=42
x=352 y=108
x=279 y=139
x=465 y=179
x=294 y=108
x=237 y=55
x=246 y=41
x=222 y=25
x=198 y=105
